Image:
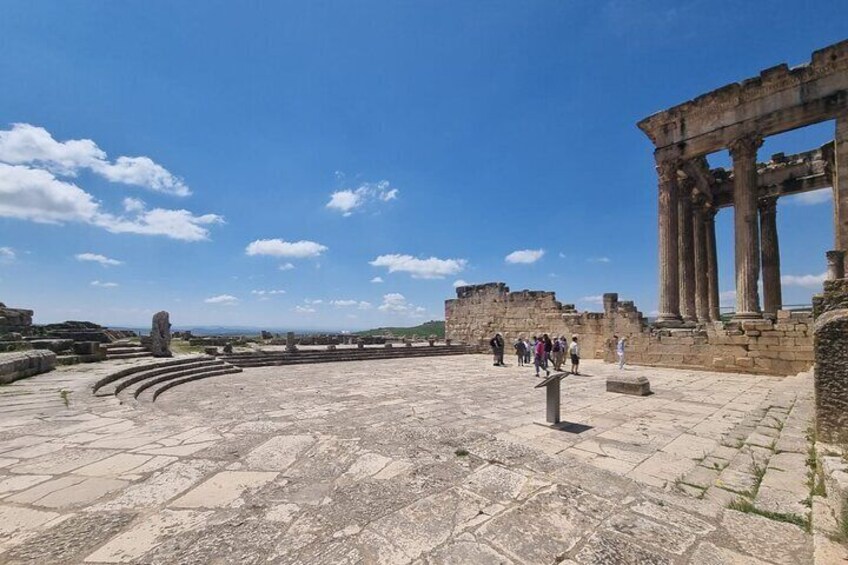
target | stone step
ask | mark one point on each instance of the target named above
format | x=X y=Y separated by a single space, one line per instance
x=119 y=385
x=169 y=373
x=126 y=371
x=133 y=355
x=275 y=359
x=152 y=393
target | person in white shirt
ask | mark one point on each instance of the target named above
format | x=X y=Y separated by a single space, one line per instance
x=574 y=351
x=619 y=350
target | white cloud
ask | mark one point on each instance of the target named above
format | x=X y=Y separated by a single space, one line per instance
x=38 y=196
x=459 y=282
x=431 y=268
x=348 y=200
x=266 y=294
x=599 y=260
x=811 y=198
x=805 y=281
x=25 y=144
x=7 y=255
x=394 y=302
x=728 y=297
x=280 y=248
x=133 y=205
x=594 y=299
x=524 y=256
x=377 y=280
x=286 y=267
x=343 y=303
x=222 y=299
x=104 y=284
x=97 y=258
x=309 y=301
x=304 y=309
x=363 y=305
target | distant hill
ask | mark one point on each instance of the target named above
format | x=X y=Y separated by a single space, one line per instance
x=433 y=327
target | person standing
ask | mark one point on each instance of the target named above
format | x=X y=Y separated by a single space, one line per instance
x=497 y=344
x=574 y=351
x=528 y=351
x=619 y=350
x=549 y=347
x=520 y=351
x=557 y=353
x=539 y=360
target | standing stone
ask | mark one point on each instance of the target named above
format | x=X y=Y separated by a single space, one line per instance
x=160 y=335
x=831 y=370
x=290 y=346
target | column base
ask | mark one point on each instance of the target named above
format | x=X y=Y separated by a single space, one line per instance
x=668 y=321
x=742 y=316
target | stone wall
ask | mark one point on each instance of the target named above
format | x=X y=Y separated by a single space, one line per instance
x=831 y=375
x=15 y=320
x=778 y=347
x=22 y=364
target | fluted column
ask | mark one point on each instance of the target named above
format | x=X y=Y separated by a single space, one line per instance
x=746 y=228
x=699 y=235
x=840 y=184
x=772 y=295
x=686 y=252
x=712 y=265
x=669 y=307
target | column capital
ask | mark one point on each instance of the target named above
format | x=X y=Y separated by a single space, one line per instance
x=745 y=146
x=767 y=205
x=667 y=170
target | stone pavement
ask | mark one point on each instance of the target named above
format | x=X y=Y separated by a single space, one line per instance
x=434 y=460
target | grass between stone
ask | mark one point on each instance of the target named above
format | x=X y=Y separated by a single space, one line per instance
x=745 y=505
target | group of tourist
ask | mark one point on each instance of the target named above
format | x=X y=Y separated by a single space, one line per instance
x=544 y=350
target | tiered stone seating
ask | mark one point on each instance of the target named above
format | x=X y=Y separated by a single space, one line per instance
x=145 y=382
x=125 y=350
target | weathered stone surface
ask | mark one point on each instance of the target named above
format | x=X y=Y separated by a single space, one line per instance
x=629 y=384
x=21 y=364
x=160 y=335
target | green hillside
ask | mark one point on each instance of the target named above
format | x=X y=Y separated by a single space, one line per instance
x=433 y=327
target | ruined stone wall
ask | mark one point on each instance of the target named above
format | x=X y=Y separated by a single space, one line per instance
x=15 y=320
x=777 y=347
x=831 y=375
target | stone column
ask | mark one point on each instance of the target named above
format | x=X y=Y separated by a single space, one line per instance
x=669 y=314
x=702 y=285
x=840 y=183
x=746 y=228
x=712 y=265
x=772 y=295
x=686 y=252
x=835 y=264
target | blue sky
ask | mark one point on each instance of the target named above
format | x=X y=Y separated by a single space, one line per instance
x=255 y=163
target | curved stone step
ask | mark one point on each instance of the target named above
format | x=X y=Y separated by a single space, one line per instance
x=142 y=376
x=124 y=372
x=136 y=388
x=152 y=393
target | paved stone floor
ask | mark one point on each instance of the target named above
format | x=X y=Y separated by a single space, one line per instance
x=435 y=460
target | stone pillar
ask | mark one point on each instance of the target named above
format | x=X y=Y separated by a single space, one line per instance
x=712 y=265
x=702 y=285
x=772 y=295
x=669 y=276
x=839 y=173
x=746 y=228
x=686 y=252
x=160 y=335
x=835 y=265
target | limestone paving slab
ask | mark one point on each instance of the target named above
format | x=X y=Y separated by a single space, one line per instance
x=421 y=461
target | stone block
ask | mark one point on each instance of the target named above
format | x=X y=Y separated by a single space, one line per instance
x=629 y=384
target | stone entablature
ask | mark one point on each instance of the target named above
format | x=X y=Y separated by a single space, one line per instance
x=783 y=346
x=779 y=99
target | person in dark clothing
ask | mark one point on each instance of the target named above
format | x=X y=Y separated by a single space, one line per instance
x=520 y=351
x=497 y=344
x=549 y=347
